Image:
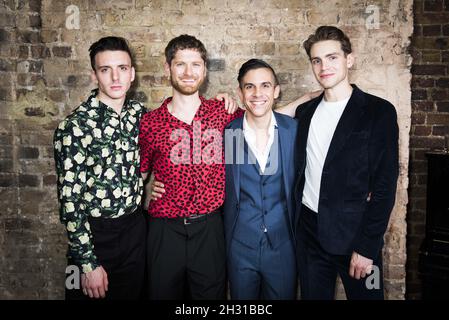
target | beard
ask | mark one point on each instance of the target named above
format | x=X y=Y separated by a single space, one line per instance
x=184 y=89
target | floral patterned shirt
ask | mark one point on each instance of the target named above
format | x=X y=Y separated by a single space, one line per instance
x=98 y=167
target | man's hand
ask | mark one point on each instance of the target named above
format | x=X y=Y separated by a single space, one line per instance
x=231 y=105
x=153 y=191
x=290 y=108
x=95 y=283
x=360 y=266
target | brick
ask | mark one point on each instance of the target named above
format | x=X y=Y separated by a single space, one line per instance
x=446 y=30
x=289 y=49
x=443 y=83
x=8 y=180
x=445 y=56
x=431 y=43
x=35 y=21
x=419 y=155
x=139 y=96
x=440 y=130
x=419 y=94
x=6 y=139
x=442 y=106
x=422 y=105
x=216 y=65
x=422 y=130
x=265 y=48
x=49 y=180
x=426 y=142
x=34 y=112
x=63 y=52
x=6 y=36
x=422 y=82
x=433 y=5
x=154 y=81
x=28 y=153
x=28 y=36
x=6 y=152
x=417 y=192
x=24 y=52
x=35 y=5
x=431 y=56
x=39 y=52
x=440 y=95
x=7 y=20
x=6 y=165
x=36 y=66
x=7 y=65
x=57 y=95
x=429 y=69
x=438 y=118
x=432 y=18
x=431 y=30
x=26 y=180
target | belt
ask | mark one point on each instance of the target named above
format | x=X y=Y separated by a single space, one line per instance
x=193 y=218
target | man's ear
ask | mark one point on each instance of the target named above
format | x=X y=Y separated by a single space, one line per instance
x=133 y=74
x=93 y=77
x=240 y=94
x=277 y=91
x=350 y=60
x=167 y=69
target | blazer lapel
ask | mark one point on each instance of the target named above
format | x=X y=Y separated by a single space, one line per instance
x=349 y=119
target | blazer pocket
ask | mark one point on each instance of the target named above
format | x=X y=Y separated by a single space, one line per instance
x=354 y=205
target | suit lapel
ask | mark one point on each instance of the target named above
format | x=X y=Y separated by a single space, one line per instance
x=283 y=139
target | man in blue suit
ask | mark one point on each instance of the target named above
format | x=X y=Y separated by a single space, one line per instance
x=347 y=150
x=258 y=207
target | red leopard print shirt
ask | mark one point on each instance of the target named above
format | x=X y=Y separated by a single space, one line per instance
x=188 y=159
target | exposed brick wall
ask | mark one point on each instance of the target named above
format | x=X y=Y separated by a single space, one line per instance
x=430 y=118
x=45 y=73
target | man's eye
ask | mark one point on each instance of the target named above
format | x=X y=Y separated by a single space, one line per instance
x=124 y=68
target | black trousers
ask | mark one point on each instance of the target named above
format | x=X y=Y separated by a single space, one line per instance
x=186 y=261
x=318 y=269
x=119 y=245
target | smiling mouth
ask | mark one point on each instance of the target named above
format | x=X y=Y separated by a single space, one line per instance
x=259 y=103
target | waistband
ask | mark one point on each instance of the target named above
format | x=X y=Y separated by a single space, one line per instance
x=193 y=218
x=118 y=222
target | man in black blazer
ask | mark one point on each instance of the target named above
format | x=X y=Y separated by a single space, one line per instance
x=347 y=155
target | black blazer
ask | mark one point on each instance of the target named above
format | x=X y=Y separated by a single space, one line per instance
x=362 y=159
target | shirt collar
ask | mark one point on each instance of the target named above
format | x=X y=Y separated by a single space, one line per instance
x=271 y=127
x=94 y=102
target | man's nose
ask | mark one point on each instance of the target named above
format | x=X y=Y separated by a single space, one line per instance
x=115 y=75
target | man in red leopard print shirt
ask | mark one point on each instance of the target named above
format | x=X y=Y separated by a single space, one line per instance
x=181 y=144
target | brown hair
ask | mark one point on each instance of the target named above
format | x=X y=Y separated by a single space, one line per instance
x=328 y=33
x=182 y=42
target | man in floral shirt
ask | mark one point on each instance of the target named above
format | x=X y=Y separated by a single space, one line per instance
x=99 y=184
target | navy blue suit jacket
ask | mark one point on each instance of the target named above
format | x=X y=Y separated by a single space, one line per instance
x=287 y=128
x=362 y=159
